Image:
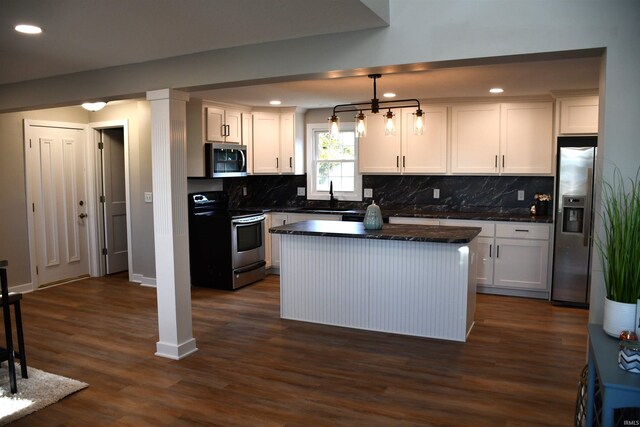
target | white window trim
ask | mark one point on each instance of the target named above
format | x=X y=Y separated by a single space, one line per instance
x=312 y=192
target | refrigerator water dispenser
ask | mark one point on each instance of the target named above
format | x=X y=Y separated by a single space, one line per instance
x=573 y=214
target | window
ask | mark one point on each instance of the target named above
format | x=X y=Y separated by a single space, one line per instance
x=332 y=159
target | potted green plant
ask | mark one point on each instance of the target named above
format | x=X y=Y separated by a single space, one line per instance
x=619 y=248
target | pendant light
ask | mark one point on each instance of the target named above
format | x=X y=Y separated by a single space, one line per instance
x=389 y=124
x=418 y=122
x=374 y=106
x=361 y=125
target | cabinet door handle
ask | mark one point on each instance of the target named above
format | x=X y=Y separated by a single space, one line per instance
x=404 y=162
x=277 y=163
x=291 y=162
x=503 y=160
x=524 y=231
x=397 y=161
x=496 y=162
x=498 y=251
x=223 y=130
x=490 y=250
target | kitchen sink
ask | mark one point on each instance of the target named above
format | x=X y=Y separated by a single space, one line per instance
x=323 y=210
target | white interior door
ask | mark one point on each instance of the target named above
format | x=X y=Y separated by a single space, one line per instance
x=59 y=203
x=115 y=200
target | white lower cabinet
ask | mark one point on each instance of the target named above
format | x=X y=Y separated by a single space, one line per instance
x=267 y=240
x=486 y=247
x=521 y=264
x=514 y=257
x=278 y=219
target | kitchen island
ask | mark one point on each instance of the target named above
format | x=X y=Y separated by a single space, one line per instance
x=407 y=279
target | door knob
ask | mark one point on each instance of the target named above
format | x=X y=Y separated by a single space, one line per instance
x=82 y=215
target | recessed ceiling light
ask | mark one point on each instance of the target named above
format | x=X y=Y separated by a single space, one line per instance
x=94 y=106
x=28 y=29
x=496 y=90
x=275 y=102
x=389 y=95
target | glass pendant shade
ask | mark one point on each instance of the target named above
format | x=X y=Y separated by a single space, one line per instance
x=334 y=125
x=361 y=125
x=389 y=124
x=418 y=123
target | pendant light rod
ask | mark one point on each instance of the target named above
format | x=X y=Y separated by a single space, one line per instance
x=375 y=104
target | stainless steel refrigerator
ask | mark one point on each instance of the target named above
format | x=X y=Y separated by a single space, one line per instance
x=573 y=220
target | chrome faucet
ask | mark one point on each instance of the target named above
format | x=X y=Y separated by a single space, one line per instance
x=332 y=200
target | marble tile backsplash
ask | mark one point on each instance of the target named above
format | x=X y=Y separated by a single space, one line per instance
x=457 y=193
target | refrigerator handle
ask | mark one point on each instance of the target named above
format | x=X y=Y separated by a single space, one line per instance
x=586 y=231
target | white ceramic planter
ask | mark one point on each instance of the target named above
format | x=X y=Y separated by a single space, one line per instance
x=618 y=316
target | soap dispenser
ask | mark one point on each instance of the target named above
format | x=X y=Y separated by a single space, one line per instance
x=373 y=217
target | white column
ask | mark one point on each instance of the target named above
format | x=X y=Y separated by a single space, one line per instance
x=170 y=222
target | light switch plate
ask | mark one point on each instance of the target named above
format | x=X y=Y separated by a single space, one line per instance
x=436 y=193
x=368 y=192
x=520 y=194
x=148 y=197
x=302 y=191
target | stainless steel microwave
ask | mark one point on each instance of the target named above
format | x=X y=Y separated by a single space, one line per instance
x=225 y=160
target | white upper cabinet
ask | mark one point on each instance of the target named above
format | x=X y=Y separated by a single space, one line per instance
x=377 y=152
x=475 y=138
x=513 y=138
x=405 y=152
x=287 y=143
x=526 y=138
x=278 y=143
x=266 y=143
x=224 y=125
x=578 y=115
x=426 y=153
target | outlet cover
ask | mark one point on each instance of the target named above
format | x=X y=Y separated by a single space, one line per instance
x=368 y=193
x=436 y=193
x=148 y=197
x=520 y=194
x=302 y=191
x=244 y=190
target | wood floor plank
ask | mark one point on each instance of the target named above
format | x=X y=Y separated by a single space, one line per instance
x=520 y=366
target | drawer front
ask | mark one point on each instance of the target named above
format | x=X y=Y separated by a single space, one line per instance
x=488 y=227
x=519 y=230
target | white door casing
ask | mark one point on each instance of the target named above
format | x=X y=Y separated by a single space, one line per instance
x=57 y=197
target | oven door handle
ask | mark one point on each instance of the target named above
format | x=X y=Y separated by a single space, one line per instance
x=250 y=220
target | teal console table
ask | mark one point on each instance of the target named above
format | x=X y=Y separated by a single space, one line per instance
x=617 y=388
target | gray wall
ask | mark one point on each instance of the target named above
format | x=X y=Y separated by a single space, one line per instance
x=138 y=115
x=420 y=31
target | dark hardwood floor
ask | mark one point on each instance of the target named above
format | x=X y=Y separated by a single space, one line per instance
x=520 y=366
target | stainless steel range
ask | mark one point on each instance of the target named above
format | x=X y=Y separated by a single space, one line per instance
x=226 y=247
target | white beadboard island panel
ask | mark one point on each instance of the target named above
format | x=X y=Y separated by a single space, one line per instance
x=415 y=288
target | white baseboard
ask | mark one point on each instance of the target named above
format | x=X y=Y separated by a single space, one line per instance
x=22 y=289
x=176 y=352
x=144 y=281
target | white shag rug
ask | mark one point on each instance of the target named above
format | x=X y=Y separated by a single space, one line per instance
x=39 y=390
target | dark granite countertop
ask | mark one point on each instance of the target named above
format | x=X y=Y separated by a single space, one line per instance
x=413 y=233
x=477 y=216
